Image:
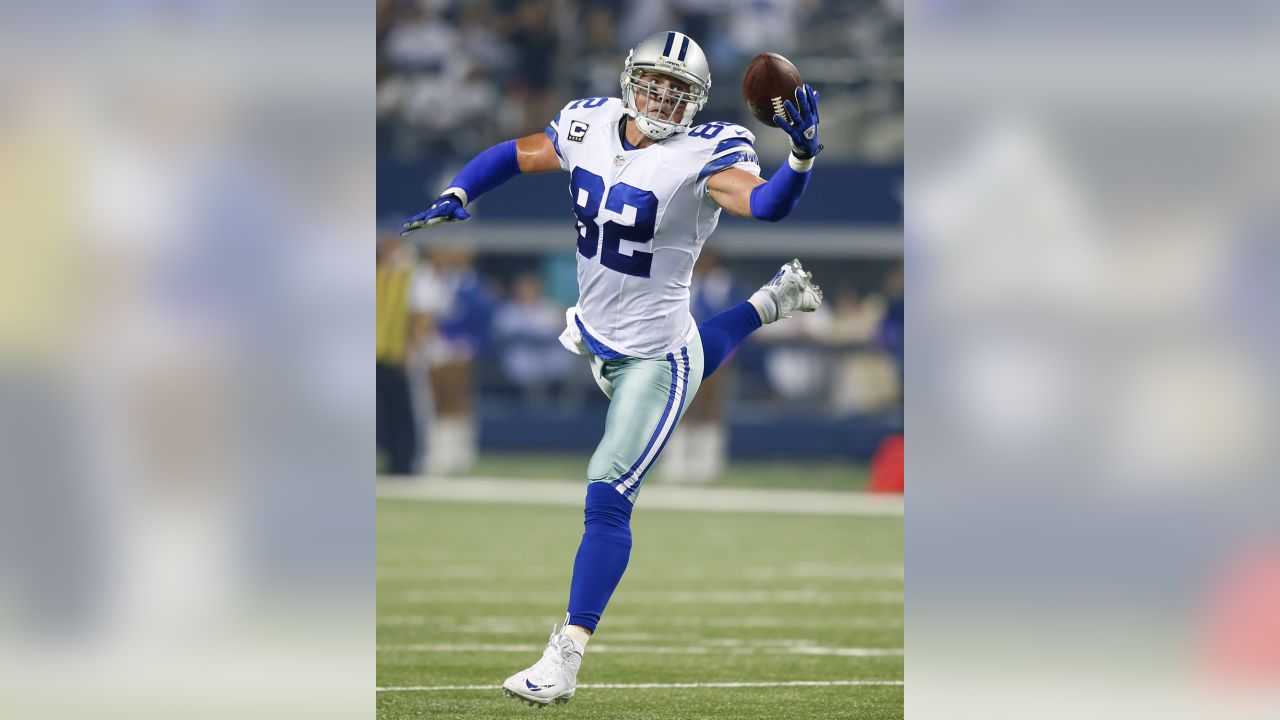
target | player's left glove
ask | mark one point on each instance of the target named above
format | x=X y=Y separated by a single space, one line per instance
x=447 y=208
x=804 y=126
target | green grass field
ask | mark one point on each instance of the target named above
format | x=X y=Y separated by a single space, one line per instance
x=467 y=594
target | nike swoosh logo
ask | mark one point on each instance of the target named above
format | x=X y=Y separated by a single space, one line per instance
x=741 y=132
x=533 y=687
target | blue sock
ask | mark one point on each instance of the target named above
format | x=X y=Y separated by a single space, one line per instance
x=602 y=556
x=722 y=333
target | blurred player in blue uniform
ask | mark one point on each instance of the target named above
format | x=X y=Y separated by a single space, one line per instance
x=647 y=187
x=699 y=447
x=463 y=309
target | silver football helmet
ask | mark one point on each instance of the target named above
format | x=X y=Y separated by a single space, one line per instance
x=668 y=53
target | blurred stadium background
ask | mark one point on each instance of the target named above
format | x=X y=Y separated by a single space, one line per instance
x=471 y=377
x=187 y=401
x=477 y=396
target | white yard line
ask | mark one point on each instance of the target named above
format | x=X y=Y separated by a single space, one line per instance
x=509 y=625
x=646 y=686
x=649 y=649
x=675 y=597
x=658 y=497
x=769 y=622
x=788 y=571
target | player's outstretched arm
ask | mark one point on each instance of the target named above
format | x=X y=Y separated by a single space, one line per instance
x=745 y=195
x=486 y=171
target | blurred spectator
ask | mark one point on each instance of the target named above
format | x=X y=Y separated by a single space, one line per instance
x=698 y=17
x=644 y=18
x=451 y=83
x=456 y=77
x=892 y=329
x=400 y=326
x=537 y=49
x=857 y=318
x=422 y=46
x=480 y=38
x=795 y=365
x=462 y=335
x=599 y=64
x=767 y=25
x=480 y=102
x=436 y=91
x=863 y=379
x=527 y=327
x=386 y=19
x=699 y=448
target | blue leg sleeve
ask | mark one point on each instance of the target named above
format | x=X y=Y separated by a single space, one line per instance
x=776 y=198
x=488 y=170
x=602 y=555
x=722 y=333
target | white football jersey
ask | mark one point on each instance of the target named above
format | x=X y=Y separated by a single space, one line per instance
x=643 y=216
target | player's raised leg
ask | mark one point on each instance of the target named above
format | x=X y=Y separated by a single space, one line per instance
x=792 y=289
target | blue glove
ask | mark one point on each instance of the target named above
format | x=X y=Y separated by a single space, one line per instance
x=447 y=208
x=804 y=131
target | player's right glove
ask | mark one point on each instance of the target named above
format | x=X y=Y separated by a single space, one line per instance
x=447 y=208
x=804 y=128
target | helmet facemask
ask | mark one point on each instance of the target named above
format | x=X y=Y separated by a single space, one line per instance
x=663 y=104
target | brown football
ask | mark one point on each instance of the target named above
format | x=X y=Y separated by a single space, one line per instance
x=770 y=79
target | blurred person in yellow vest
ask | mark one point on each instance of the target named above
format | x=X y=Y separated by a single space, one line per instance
x=42 y=170
x=402 y=323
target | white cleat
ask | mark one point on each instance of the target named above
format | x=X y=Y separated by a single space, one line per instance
x=554 y=678
x=791 y=290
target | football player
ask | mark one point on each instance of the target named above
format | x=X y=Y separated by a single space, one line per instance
x=647 y=187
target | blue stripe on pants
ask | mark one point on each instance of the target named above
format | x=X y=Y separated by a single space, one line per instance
x=657 y=431
x=635 y=488
x=647 y=392
x=648 y=397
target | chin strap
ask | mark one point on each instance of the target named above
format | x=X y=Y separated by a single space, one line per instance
x=651 y=137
